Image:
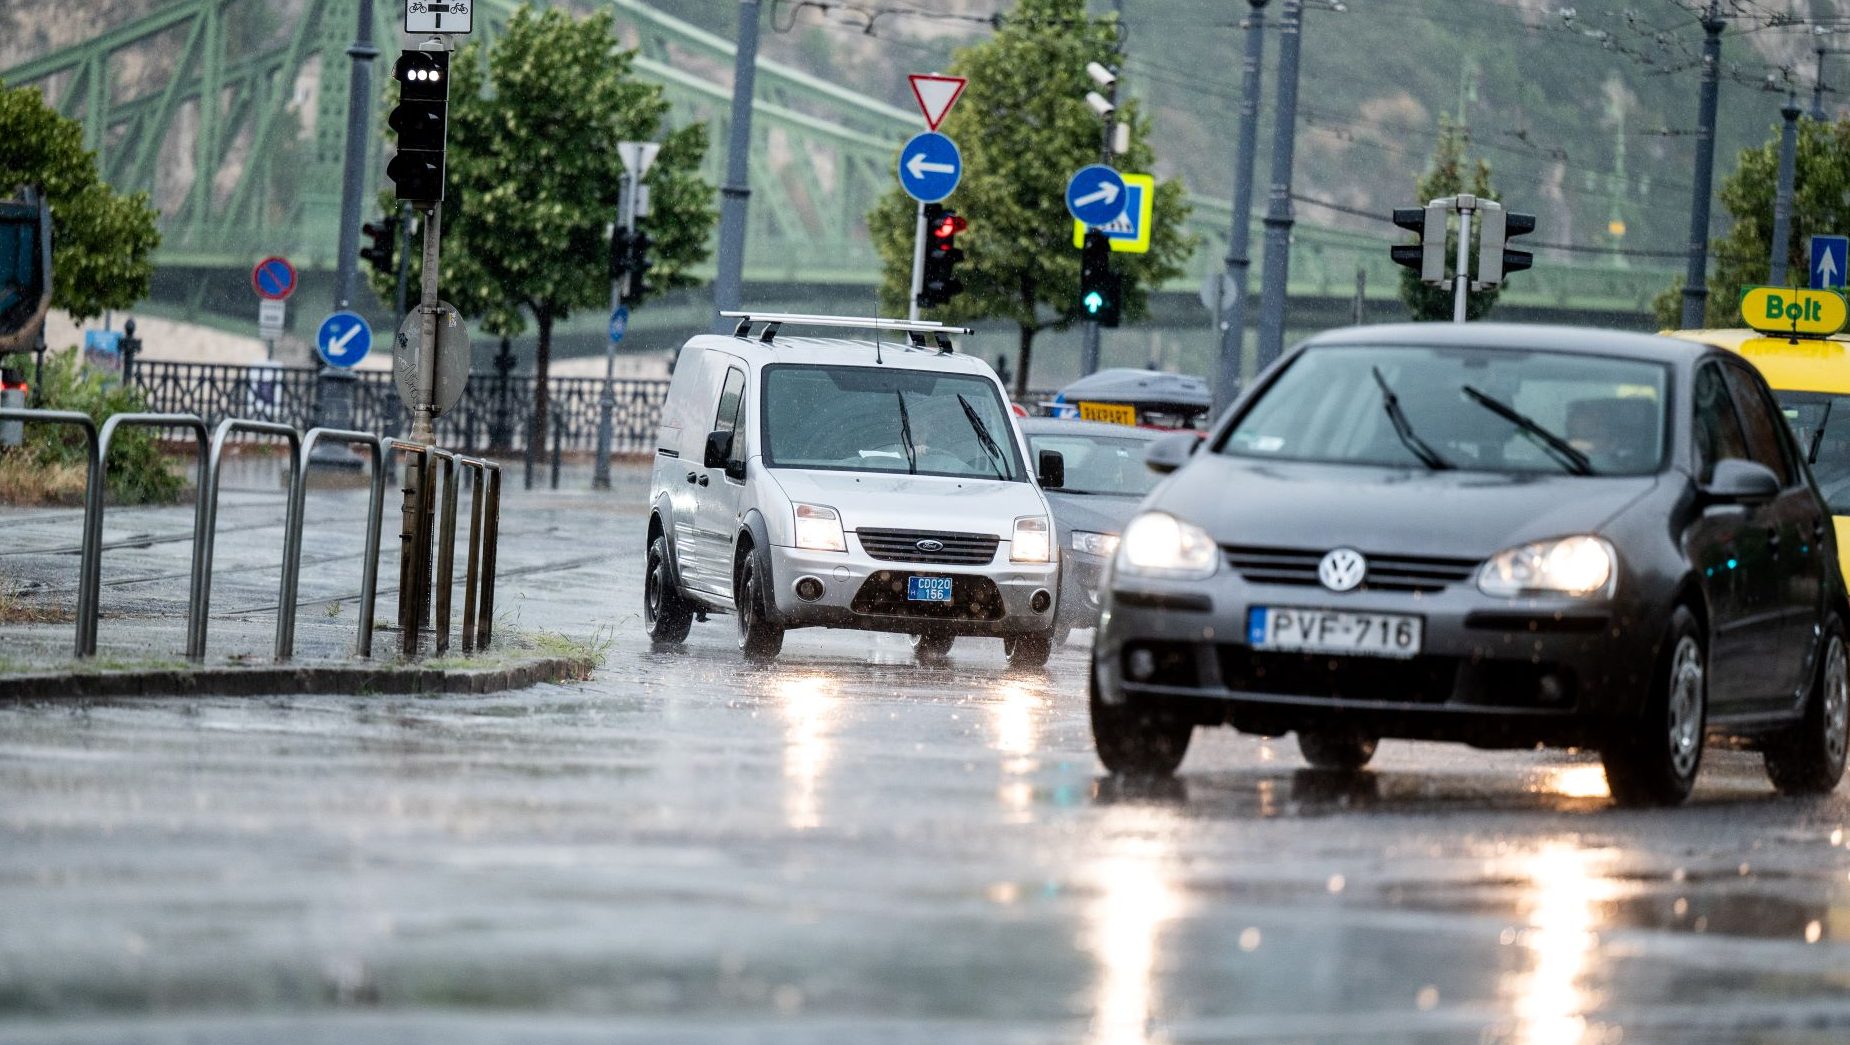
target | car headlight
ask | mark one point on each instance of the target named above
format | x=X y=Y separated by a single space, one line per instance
x=1103 y=545
x=819 y=529
x=1157 y=544
x=1031 y=541
x=1579 y=565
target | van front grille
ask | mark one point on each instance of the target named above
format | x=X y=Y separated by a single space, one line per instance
x=951 y=549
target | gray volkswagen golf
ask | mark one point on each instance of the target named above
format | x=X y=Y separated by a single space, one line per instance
x=1499 y=535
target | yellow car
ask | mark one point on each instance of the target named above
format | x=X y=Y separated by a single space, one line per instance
x=1811 y=379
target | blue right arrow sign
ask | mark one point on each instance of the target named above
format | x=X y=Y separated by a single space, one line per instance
x=1830 y=256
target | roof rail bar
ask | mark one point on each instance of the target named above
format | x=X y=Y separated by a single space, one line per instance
x=875 y=323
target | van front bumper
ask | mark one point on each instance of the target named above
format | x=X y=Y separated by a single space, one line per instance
x=858 y=591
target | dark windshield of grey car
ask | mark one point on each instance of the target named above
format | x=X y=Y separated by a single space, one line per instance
x=1462 y=405
x=887 y=419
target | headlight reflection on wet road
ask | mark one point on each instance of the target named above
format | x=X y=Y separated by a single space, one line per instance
x=1013 y=710
x=809 y=705
x=1137 y=894
x=1549 y=999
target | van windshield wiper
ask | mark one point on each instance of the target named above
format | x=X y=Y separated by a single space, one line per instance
x=996 y=458
x=1564 y=452
x=1417 y=446
x=905 y=434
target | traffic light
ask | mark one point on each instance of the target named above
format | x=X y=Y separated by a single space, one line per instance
x=1427 y=257
x=382 y=254
x=619 y=252
x=1101 y=290
x=940 y=282
x=639 y=265
x=1494 y=259
x=423 y=97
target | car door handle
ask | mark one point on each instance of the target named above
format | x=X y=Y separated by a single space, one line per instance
x=704 y=480
x=1817 y=529
x=690 y=477
x=1772 y=537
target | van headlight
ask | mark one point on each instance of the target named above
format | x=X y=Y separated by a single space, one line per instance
x=1579 y=565
x=1157 y=544
x=819 y=529
x=1031 y=541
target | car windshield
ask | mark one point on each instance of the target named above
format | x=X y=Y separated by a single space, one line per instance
x=1822 y=424
x=1472 y=409
x=887 y=419
x=1111 y=466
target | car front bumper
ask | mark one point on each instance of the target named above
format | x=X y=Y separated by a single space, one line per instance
x=859 y=591
x=1491 y=672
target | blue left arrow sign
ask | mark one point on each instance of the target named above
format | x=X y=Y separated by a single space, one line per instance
x=343 y=340
x=930 y=167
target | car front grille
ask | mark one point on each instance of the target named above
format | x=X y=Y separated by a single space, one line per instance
x=959 y=549
x=1411 y=573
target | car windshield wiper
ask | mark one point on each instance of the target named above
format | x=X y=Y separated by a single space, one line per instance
x=1817 y=437
x=1419 y=447
x=905 y=434
x=997 y=458
x=1564 y=452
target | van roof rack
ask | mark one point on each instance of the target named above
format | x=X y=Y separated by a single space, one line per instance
x=914 y=329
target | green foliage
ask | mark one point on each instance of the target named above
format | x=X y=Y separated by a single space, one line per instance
x=1023 y=127
x=101 y=241
x=1743 y=257
x=137 y=471
x=1446 y=177
x=533 y=174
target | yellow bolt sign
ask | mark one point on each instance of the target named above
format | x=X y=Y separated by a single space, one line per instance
x=1130 y=234
x=1793 y=310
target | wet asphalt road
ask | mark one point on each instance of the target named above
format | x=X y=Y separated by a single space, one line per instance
x=848 y=848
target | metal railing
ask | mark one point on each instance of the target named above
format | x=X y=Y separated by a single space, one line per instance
x=431 y=503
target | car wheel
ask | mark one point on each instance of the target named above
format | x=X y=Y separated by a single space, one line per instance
x=1028 y=651
x=933 y=648
x=1135 y=741
x=759 y=637
x=1655 y=762
x=1344 y=751
x=1809 y=760
x=665 y=615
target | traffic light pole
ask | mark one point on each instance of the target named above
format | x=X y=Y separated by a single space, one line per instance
x=1461 y=281
x=423 y=404
x=404 y=261
x=1696 y=276
x=918 y=265
x=607 y=400
x=333 y=404
x=1239 y=241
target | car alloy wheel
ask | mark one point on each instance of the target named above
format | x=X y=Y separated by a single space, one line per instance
x=1836 y=696
x=1686 y=696
x=1809 y=758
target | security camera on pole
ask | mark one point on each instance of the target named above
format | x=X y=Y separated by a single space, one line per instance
x=1495 y=260
x=629 y=262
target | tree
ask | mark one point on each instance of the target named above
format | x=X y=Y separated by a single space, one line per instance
x=100 y=240
x=1446 y=177
x=533 y=178
x=1024 y=127
x=1743 y=257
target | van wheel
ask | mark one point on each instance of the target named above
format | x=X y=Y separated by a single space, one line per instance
x=1028 y=651
x=665 y=615
x=1342 y=751
x=932 y=648
x=759 y=637
x=1654 y=762
x=1809 y=760
x=1134 y=741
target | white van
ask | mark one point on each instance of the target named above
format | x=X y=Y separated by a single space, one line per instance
x=829 y=482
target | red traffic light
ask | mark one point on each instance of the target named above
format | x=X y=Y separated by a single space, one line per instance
x=948 y=226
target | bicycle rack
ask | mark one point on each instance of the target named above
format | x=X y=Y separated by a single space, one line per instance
x=292 y=540
x=200 y=604
x=91 y=467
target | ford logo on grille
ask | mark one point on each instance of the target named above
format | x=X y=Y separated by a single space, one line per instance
x=929 y=545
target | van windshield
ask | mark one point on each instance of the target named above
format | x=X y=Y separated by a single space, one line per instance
x=887 y=419
x=1821 y=423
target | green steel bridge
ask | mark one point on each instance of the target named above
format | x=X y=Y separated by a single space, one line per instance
x=231 y=113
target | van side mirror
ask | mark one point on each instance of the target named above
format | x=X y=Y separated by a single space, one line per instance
x=719 y=447
x=1741 y=482
x=1052 y=470
x=1171 y=452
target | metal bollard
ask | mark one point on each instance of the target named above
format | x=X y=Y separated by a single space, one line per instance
x=445 y=582
x=491 y=536
x=558 y=446
x=472 y=572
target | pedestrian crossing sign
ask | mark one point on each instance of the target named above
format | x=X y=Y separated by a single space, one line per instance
x=1130 y=234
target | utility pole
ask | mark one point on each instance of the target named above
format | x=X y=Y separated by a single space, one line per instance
x=1278 y=220
x=1695 y=279
x=1782 y=197
x=1239 y=238
x=728 y=284
x=333 y=406
x=1817 y=81
x=607 y=399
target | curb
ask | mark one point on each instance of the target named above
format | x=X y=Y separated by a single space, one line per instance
x=367 y=680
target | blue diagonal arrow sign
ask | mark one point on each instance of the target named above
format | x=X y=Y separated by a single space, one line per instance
x=1096 y=195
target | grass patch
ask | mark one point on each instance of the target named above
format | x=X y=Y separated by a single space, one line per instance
x=26 y=480
x=14 y=610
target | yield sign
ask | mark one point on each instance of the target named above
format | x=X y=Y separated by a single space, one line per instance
x=936 y=95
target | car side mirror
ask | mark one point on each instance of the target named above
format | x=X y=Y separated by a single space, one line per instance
x=1171 y=452
x=719 y=447
x=1052 y=470
x=1742 y=482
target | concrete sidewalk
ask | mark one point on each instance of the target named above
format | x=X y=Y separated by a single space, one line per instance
x=147 y=553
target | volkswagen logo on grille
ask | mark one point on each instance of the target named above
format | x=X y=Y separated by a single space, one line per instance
x=929 y=545
x=1342 y=569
